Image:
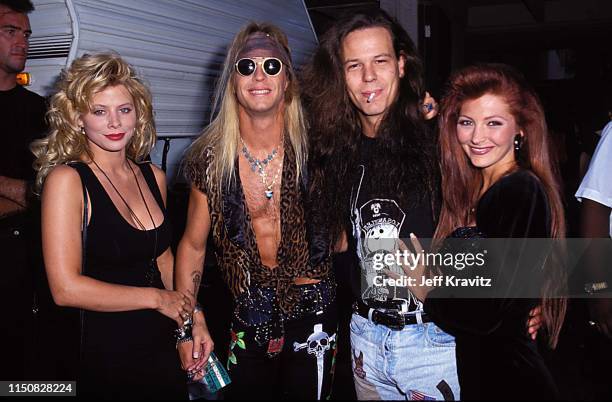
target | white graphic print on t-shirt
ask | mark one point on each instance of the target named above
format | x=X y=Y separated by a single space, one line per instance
x=376 y=225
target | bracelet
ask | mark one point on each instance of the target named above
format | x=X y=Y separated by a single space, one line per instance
x=595 y=287
x=184 y=340
x=183 y=332
x=198 y=308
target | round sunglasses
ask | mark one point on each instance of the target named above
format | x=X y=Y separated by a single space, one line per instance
x=271 y=66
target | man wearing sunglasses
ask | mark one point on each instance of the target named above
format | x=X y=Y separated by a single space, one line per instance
x=248 y=178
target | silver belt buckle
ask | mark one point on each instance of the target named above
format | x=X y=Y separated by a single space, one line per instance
x=402 y=305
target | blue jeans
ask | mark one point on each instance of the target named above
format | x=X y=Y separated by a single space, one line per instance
x=416 y=363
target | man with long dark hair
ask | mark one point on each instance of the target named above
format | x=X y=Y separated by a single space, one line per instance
x=374 y=176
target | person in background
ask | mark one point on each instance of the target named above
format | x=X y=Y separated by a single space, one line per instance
x=22 y=119
x=595 y=194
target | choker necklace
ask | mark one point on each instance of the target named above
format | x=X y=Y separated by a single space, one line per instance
x=132 y=214
x=260 y=166
x=257 y=164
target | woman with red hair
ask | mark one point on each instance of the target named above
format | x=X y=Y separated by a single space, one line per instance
x=498 y=181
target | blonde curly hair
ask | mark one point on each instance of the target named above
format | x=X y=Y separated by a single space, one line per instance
x=86 y=76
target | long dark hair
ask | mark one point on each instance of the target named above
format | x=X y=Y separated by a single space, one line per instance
x=407 y=165
x=461 y=182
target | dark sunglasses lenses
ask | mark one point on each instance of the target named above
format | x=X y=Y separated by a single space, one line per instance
x=271 y=66
x=246 y=66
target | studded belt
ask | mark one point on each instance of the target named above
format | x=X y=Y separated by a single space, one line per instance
x=257 y=309
x=390 y=316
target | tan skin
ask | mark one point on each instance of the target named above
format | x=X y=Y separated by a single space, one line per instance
x=16 y=203
x=371 y=67
x=62 y=212
x=265 y=213
x=261 y=110
x=189 y=268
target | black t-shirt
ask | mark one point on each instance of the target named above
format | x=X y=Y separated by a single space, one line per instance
x=22 y=120
x=377 y=221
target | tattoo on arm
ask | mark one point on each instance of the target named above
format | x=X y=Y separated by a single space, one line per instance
x=197 y=278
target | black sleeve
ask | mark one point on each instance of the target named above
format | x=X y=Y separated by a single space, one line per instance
x=516 y=207
x=36 y=128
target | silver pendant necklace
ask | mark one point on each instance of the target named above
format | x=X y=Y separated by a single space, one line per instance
x=260 y=167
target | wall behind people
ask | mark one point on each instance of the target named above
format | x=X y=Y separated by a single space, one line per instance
x=176 y=46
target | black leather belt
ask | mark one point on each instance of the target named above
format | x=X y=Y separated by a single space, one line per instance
x=392 y=318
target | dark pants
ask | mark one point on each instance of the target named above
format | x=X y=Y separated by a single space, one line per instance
x=302 y=368
x=15 y=297
x=37 y=338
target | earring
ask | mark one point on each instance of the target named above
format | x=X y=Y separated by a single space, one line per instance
x=82 y=130
x=518 y=143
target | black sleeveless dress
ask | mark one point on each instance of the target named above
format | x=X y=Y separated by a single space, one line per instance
x=131 y=354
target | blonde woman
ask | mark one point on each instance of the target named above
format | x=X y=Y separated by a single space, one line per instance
x=121 y=277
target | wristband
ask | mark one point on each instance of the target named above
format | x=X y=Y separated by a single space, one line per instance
x=595 y=287
x=184 y=331
x=186 y=339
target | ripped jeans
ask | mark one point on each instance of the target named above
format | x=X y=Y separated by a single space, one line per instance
x=415 y=363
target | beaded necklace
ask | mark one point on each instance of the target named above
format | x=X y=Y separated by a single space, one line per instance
x=260 y=166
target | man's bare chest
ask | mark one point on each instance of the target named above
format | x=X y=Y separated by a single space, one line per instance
x=262 y=194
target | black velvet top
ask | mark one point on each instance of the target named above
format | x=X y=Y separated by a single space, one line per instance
x=496 y=359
